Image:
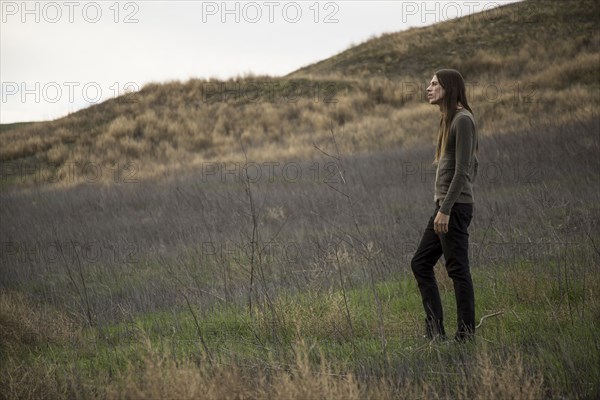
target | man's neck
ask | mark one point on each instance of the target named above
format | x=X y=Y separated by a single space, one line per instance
x=458 y=107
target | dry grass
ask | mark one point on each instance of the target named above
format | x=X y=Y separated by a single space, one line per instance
x=161 y=377
x=543 y=67
x=156 y=374
x=26 y=324
x=25 y=329
x=298 y=343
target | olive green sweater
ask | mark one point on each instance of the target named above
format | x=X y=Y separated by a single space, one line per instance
x=457 y=168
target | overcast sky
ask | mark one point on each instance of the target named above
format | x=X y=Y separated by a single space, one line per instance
x=58 y=57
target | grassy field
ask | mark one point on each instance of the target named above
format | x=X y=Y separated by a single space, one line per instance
x=283 y=280
x=522 y=63
x=180 y=243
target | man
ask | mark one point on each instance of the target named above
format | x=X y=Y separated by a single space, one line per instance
x=447 y=230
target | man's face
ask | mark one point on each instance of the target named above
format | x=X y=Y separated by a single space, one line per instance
x=435 y=91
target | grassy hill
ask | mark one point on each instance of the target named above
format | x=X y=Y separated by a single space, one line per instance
x=299 y=287
x=294 y=281
x=517 y=41
x=524 y=62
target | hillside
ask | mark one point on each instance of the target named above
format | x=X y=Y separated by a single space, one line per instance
x=526 y=62
x=516 y=41
x=294 y=280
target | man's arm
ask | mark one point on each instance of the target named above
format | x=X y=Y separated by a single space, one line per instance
x=465 y=137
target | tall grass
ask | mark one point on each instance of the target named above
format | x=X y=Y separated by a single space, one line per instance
x=167 y=271
x=543 y=64
x=190 y=245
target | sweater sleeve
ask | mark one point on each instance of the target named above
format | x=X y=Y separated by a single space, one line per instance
x=465 y=137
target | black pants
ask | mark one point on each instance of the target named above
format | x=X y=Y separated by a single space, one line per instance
x=454 y=245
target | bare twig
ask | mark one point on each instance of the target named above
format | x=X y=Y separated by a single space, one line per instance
x=256 y=250
x=254 y=238
x=366 y=248
x=83 y=292
x=182 y=286
x=587 y=233
x=347 y=308
x=198 y=329
x=84 y=286
x=488 y=316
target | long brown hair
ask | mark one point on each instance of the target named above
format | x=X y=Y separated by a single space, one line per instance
x=455 y=92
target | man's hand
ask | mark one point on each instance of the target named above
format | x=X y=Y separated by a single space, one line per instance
x=440 y=224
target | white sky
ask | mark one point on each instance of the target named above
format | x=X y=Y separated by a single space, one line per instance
x=57 y=57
